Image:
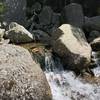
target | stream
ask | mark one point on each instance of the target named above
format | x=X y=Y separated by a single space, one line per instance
x=66 y=86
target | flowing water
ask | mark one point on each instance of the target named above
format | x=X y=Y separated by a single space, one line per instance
x=96 y=57
x=65 y=85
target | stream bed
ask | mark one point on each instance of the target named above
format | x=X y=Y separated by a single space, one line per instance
x=64 y=84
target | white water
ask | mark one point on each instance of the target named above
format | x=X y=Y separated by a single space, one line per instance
x=65 y=86
x=97 y=69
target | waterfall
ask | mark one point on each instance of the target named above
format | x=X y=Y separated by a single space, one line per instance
x=51 y=61
x=65 y=85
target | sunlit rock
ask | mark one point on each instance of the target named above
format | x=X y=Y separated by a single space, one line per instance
x=20 y=77
x=70 y=44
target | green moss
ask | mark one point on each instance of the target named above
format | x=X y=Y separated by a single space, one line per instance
x=2 y=8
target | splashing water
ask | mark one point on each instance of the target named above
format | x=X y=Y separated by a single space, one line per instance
x=64 y=84
x=97 y=62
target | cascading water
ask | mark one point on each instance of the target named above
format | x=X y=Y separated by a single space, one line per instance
x=64 y=84
x=96 y=58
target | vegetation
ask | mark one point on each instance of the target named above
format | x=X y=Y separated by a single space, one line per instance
x=1 y=7
x=2 y=10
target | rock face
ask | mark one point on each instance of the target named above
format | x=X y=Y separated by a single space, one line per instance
x=18 y=34
x=96 y=44
x=20 y=77
x=73 y=14
x=16 y=11
x=70 y=43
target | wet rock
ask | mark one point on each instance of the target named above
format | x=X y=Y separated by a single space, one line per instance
x=41 y=36
x=70 y=44
x=92 y=35
x=95 y=44
x=45 y=16
x=92 y=23
x=21 y=78
x=16 y=11
x=18 y=34
x=73 y=14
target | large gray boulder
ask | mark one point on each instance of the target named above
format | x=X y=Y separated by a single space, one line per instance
x=73 y=14
x=16 y=11
x=20 y=77
x=70 y=44
x=18 y=34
